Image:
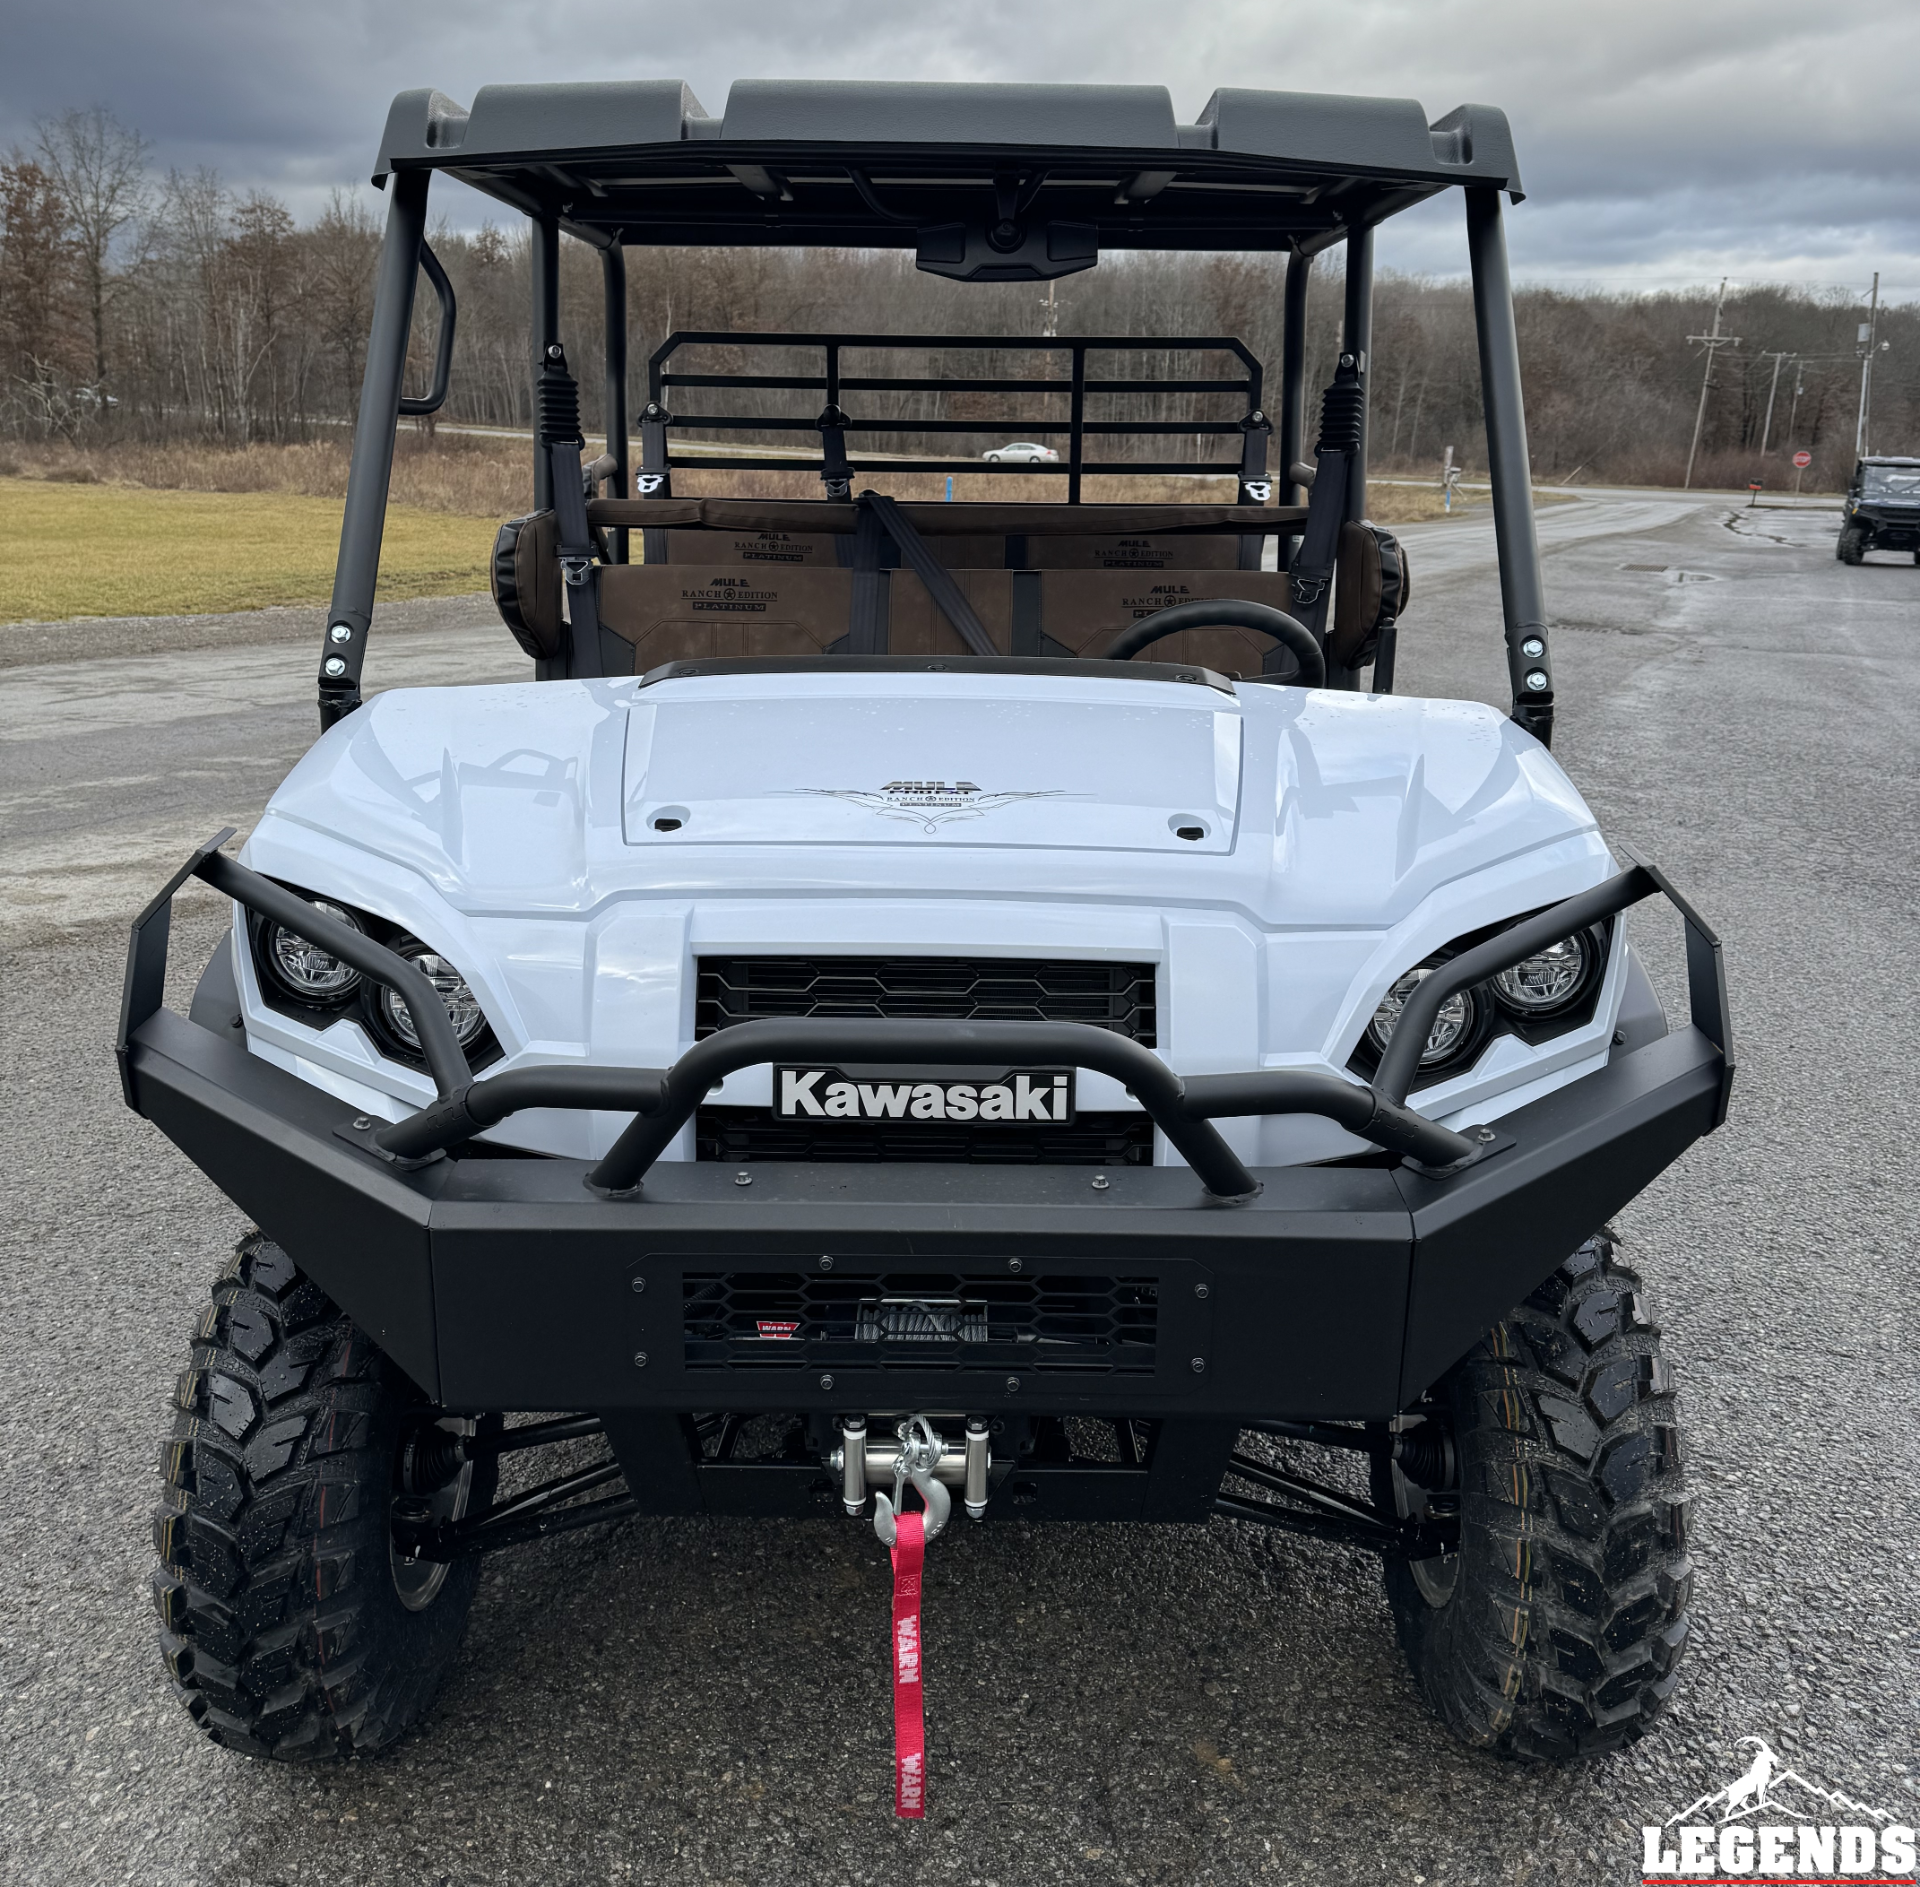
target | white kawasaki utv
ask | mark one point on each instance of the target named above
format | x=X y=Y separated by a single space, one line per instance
x=997 y=999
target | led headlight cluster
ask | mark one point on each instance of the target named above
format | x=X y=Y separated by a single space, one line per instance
x=463 y=1006
x=1544 y=985
x=1548 y=988
x=300 y=978
x=307 y=972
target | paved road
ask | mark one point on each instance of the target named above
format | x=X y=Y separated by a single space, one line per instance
x=695 y=1701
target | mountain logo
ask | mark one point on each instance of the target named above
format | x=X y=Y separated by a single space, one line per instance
x=1773 y=1823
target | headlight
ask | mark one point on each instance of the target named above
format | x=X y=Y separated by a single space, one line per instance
x=1548 y=982
x=307 y=971
x=1454 y=1028
x=463 y=1006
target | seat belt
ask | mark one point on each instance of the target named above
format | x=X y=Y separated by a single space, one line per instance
x=1311 y=577
x=948 y=597
x=557 y=400
x=867 y=621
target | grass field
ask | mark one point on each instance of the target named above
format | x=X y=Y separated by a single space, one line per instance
x=117 y=550
x=184 y=529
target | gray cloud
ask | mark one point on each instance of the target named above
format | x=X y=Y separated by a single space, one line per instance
x=1662 y=144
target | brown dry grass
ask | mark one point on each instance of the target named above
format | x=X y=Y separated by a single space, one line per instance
x=458 y=473
x=476 y=476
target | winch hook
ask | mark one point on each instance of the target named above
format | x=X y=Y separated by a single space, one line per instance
x=920 y=1452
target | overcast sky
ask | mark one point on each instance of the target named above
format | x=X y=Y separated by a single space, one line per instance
x=1663 y=142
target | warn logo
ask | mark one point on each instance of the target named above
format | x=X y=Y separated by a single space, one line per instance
x=1043 y=1095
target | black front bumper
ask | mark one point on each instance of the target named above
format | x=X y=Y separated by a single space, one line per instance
x=1887 y=530
x=1335 y=1291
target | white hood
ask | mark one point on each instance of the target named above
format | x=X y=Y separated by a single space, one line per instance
x=575 y=847
x=981 y=760
x=1312 y=807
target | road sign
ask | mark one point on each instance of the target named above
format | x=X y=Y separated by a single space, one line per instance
x=1802 y=460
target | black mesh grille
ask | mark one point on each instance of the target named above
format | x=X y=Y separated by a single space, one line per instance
x=740 y=1135
x=917 y=1320
x=1117 y=996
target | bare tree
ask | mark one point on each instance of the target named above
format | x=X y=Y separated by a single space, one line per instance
x=37 y=305
x=100 y=168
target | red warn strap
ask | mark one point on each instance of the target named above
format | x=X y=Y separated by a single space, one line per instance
x=909 y=1722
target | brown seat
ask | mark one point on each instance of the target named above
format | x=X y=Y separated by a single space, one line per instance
x=765 y=589
x=820 y=550
x=1083 y=610
x=687 y=612
x=1133 y=551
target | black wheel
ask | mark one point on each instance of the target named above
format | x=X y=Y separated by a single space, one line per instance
x=293 y=1627
x=1853 y=546
x=1554 y=1630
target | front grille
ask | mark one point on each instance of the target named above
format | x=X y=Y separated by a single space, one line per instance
x=918 y=1320
x=1117 y=996
x=737 y=1136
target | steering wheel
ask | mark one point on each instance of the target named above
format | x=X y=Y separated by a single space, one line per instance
x=1228 y=613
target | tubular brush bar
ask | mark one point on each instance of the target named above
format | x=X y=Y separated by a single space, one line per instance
x=446 y=1059
x=750 y=1044
x=1401 y=1061
x=485 y=1103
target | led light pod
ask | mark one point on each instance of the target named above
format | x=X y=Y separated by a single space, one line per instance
x=1455 y=1027
x=1547 y=982
x=306 y=971
x=463 y=1006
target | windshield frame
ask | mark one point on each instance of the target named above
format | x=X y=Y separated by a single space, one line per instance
x=1898 y=482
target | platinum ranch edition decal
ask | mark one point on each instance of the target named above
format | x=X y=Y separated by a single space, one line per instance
x=929 y=804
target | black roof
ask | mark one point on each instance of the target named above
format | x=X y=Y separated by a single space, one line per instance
x=870 y=164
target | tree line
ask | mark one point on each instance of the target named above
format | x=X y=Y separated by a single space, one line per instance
x=157 y=306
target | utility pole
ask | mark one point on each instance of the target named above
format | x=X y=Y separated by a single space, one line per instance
x=1867 y=328
x=1766 y=431
x=1712 y=343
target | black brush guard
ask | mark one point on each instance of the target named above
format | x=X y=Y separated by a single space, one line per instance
x=1315 y=1295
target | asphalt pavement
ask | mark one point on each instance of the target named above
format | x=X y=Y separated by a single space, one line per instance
x=707 y=1701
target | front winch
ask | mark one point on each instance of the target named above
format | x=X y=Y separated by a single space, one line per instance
x=920 y=1454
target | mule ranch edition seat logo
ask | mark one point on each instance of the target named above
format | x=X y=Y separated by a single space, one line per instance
x=1771 y=1823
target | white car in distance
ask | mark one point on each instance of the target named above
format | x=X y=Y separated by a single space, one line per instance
x=1024 y=453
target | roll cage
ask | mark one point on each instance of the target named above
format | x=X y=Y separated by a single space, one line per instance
x=985 y=183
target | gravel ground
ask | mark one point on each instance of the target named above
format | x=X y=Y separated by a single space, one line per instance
x=705 y=1701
